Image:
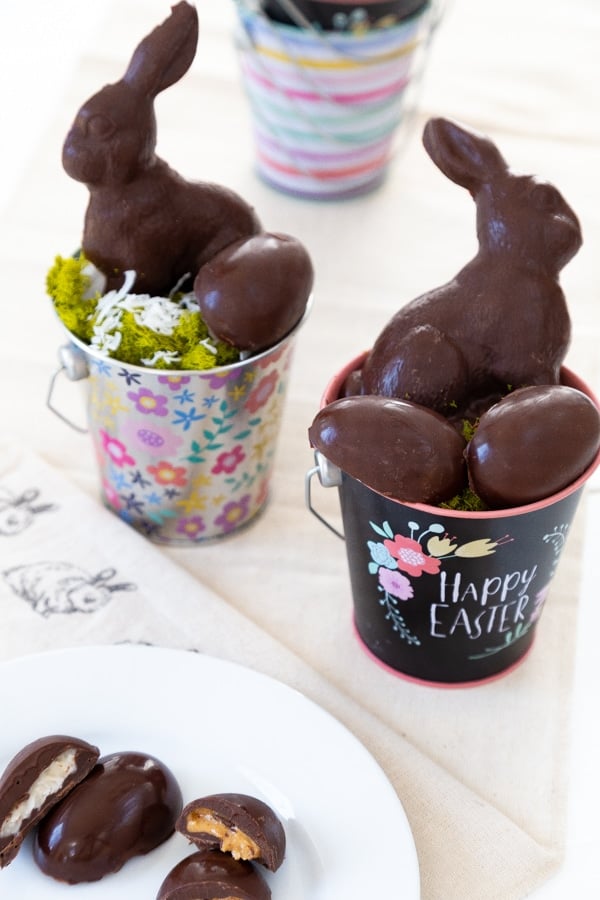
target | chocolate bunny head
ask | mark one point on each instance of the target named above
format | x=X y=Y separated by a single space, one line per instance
x=519 y=216
x=143 y=216
x=114 y=134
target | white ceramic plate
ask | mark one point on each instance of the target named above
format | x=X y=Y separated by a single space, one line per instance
x=219 y=727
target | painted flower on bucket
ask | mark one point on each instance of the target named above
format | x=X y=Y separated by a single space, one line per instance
x=191 y=527
x=166 y=473
x=261 y=393
x=233 y=513
x=229 y=461
x=149 y=403
x=417 y=554
x=116 y=450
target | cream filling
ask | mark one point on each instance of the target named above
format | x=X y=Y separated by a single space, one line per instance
x=48 y=782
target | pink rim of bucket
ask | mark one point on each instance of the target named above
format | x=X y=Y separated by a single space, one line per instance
x=569 y=378
x=445 y=685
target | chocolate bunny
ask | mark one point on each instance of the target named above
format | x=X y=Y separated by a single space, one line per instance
x=502 y=322
x=142 y=215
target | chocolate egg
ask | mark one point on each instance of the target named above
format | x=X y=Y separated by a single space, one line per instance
x=398 y=448
x=35 y=779
x=253 y=292
x=210 y=874
x=531 y=444
x=127 y=806
x=238 y=824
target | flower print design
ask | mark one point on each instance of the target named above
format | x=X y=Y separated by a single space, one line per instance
x=112 y=496
x=437 y=546
x=174 y=382
x=154 y=440
x=149 y=403
x=167 y=474
x=233 y=513
x=410 y=556
x=396 y=584
x=218 y=380
x=260 y=394
x=481 y=547
x=271 y=357
x=191 y=527
x=398 y=557
x=116 y=450
x=381 y=556
x=229 y=460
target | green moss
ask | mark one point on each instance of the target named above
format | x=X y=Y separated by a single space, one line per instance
x=66 y=284
x=467 y=500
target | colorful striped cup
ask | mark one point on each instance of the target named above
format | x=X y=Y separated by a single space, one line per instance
x=326 y=107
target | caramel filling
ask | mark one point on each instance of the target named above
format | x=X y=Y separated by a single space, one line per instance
x=233 y=841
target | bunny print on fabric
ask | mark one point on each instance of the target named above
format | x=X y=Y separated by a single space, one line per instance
x=17 y=512
x=62 y=587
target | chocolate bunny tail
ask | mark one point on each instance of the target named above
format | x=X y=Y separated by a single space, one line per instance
x=165 y=54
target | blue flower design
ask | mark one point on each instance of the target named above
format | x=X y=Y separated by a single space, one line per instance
x=381 y=555
x=186 y=419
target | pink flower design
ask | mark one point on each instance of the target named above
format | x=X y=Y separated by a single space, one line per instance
x=229 y=460
x=233 y=513
x=395 y=583
x=217 y=380
x=116 y=450
x=191 y=527
x=111 y=494
x=410 y=557
x=261 y=393
x=154 y=440
x=166 y=473
x=174 y=382
x=271 y=358
x=148 y=403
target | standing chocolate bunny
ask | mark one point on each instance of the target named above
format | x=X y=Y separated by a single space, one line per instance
x=142 y=215
x=502 y=321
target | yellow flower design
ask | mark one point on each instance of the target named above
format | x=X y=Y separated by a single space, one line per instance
x=473 y=549
x=437 y=546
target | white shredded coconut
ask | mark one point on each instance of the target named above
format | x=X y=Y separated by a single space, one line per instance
x=210 y=347
x=169 y=356
x=159 y=314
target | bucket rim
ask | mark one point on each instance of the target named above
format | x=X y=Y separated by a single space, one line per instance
x=568 y=377
x=98 y=356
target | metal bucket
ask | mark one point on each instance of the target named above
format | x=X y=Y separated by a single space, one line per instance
x=183 y=456
x=445 y=596
x=328 y=108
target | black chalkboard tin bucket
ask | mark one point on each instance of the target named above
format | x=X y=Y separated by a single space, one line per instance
x=443 y=596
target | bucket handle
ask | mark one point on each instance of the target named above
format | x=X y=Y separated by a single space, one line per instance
x=74 y=365
x=329 y=476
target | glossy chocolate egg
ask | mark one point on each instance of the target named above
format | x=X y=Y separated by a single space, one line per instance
x=402 y=450
x=238 y=824
x=531 y=444
x=126 y=806
x=253 y=292
x=210 y=874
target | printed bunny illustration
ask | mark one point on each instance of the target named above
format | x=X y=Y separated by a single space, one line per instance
x=18 y=512
x=61 y=587
x=141 y=214
x=502 y=322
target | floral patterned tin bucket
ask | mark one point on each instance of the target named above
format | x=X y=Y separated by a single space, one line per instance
x=444 y=596
x=183 y=456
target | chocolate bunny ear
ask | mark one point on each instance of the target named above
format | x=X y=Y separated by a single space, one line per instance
x=166 y=54
x=467 y=158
